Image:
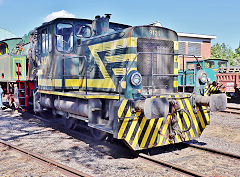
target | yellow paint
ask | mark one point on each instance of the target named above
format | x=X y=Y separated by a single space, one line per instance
x=40 y=72
x=138 y=134
x=123 y=84
x=96 y=83
x=175 y=45
x=120 y=58
x=155 y=133
x=45 y=82
x=132 y=127
x=175 y=58
x=193 y=117
x=175 y=70
x=206 y=114
x=182 y=127
x=57 y=82
x=200 y=118
x=175 y=83
x=124 y=124
x=23 y=69
x=80 y=94
x=122 y=107
x=189 y=107
x=179 y=120
x=146 y=134
x=122 y=71
x=111 y=45
x=163 y=132
x=107 y=81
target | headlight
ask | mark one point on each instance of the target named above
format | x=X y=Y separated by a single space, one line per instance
x=136 y=79
x=203 y=77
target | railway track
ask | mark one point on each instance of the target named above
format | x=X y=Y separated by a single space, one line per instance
x=171 y=166
x=235 y=156
x=232 y=110
x=182 y=169
x=62 y=168
x=141 y=156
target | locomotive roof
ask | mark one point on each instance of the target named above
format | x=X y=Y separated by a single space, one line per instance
x=82 y=20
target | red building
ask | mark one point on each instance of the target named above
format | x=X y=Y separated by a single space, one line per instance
x=194 y=44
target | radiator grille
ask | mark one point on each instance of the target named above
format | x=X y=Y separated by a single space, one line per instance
x=162 y=64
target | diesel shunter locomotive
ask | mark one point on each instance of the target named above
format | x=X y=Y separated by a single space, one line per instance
x=120 y=80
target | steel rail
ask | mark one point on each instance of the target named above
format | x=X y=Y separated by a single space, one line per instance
x=170 y=166
x=213 y=151
x=232 y=110
x=135 y=154
x=68 y=170
x=232 y=107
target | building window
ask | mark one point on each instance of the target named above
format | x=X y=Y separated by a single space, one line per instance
x=182 y=47
x=194 y=48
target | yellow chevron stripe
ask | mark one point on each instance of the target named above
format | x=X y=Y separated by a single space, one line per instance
x=120 y=43
x=146 y=135
x=122 y=71
x=132 y=127
x=120 y=58
x=185 y=117
x=138 y=134
x=155 y=133
x=206 y=115
x=200 y=118
x=193 y=117
x=177 y=137
x=162 y=133
x=124 y=124
x=167 y=141
x=182 y=127
x=122 y=107
x=189 y=107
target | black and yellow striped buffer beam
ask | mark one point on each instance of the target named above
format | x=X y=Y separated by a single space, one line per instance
x=141 y=133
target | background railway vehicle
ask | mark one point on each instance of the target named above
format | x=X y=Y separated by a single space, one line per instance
x=228 y=81
x=120 y=80
x=15 y=69
x=210 y=66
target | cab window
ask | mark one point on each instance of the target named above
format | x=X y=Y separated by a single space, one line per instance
x=3 y=48
x=45 y=41
x=83 y=31
x=209 y=64
x=64 y=35
x=222 y=64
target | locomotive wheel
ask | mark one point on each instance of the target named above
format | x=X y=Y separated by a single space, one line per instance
x=70 y=123
x=98 y=134
x=47 y=114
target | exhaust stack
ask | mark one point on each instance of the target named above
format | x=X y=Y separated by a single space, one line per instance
x=100 y=25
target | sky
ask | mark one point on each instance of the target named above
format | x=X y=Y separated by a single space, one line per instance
x=210 y=17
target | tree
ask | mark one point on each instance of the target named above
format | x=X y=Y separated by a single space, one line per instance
x=222 y=51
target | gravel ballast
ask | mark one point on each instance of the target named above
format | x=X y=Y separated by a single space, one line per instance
x=99 y=160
